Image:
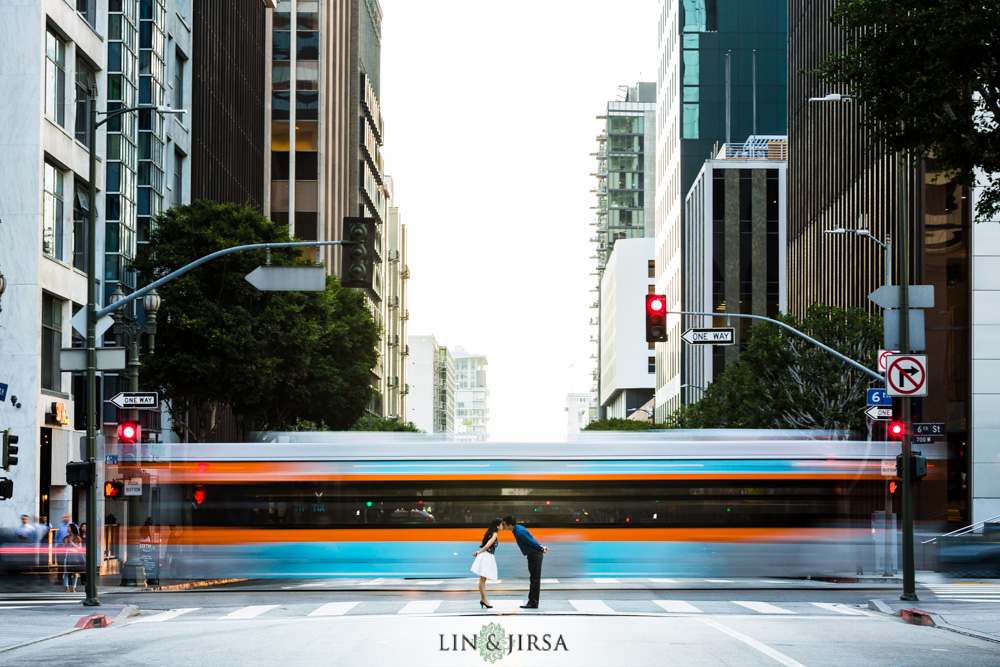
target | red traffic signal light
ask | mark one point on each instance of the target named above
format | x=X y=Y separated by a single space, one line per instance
x=198 y=495
x=656 y=318
x=114 y=489
x=896 y=429
x=129 y=432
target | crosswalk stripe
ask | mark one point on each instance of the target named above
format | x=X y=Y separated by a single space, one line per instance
x=334 y=609
x=678 y=606
x=249 y=612
x=763 y=607
x=605 y=580
x=664 y=581
x=550 y=581
x=420 y=607
x=719 y=581
x=840 y=609
x=165 y=616
x=592 y=606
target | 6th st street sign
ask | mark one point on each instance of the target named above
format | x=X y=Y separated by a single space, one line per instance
x=148 y=400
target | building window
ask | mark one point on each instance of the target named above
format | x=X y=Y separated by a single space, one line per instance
x=85 y=78
x=52 y=213
x=81 y=213
x=55 y=79
x=178 y=178
x=88 y=11
x=51 y=341
x=652 y=364
x=179 y=63
x=651 y=264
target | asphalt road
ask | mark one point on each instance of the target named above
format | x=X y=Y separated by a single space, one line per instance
x=393 y=622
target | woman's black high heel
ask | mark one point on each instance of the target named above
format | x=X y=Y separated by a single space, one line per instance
x=486 y=606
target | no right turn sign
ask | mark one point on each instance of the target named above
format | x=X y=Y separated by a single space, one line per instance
x=906 y=375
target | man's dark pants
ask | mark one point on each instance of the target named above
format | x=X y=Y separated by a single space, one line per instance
x=535 y=572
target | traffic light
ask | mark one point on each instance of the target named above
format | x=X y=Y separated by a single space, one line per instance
x=6 y=489
x=896 y=430
x=359 y=254
x=656 y=318
x=114 y=488
x=80 y=473
x=129 y=437
x=9 y=453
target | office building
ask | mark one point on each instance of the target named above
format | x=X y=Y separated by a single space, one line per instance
x=472 y=414
x=722 y=74
x=430 y=371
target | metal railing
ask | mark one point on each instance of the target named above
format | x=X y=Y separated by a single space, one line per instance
x=755 y=148
x=963 y=531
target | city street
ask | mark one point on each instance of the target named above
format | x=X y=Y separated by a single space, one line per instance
x=439 y=622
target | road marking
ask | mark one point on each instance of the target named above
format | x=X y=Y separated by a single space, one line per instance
x=334 y=609
x=678 y=606
x=420 y=607
x=592 y=606
x=840 y=609
x=753 y=643
x=165 y=616
x=550 y=581
x=664 y=581
x=763 y=607
x=373 y=582
x=719 y=581
x=38 y=602
x=252 y=611
x=426 y=582
x=605 y=580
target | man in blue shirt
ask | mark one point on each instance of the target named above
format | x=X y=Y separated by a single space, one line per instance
x=534 y=551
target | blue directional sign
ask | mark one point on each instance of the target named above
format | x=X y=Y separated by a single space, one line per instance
x=3 y=392
x=879 y=397
x=111 y=459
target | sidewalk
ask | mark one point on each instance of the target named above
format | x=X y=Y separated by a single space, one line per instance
x=46 y=622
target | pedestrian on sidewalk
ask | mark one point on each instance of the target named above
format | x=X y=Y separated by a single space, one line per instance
x=73 y=558
x=534 y=551
x=485 y=564
x=25 y=532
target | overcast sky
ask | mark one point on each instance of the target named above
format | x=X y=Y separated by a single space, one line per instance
x=490 y=121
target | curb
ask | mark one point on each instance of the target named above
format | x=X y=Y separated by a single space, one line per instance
x=917 y=617
x=195 y=584
x=878 y=605
x=87 y=622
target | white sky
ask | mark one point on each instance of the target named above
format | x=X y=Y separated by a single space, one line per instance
x=489 y=124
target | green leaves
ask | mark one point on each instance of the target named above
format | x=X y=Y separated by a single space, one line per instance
x=269 y=358
x=783 y=381
x=927 y=75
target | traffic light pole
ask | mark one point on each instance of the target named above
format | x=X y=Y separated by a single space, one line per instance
x=93 y=314
x=909 y=574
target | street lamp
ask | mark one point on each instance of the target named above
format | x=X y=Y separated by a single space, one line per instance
x=887 y=246
x=91 y=599
x=909 y=568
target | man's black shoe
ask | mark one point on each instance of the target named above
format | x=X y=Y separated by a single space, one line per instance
x=529 y=606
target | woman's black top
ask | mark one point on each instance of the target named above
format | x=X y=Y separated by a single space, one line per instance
x=493 y=547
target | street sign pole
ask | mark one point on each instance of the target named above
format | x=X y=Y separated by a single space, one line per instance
x=909 y=573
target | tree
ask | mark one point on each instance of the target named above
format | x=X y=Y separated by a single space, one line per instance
x=272 y=358
x=384 y=424
x=783 y=381
x=927 y=75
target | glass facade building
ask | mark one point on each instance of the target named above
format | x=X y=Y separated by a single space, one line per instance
x=722 y=74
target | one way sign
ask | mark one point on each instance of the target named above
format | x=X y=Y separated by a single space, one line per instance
x=149 y=400
x=716 y=336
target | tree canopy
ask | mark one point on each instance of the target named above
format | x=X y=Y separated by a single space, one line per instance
x=783 y=381
x=273 y=359
x=927 y=75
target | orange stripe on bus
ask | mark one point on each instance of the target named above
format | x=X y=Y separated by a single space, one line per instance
x=223 y=536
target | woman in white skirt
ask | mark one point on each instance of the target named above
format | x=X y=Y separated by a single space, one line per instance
x=485 y=564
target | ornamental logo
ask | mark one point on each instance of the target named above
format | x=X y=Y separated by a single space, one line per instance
x=492 y=642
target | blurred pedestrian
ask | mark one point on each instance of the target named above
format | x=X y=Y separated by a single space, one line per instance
x=25 y=532
x=63 y=530
x=534 y=551
x=73 y=558
x=485 y=564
